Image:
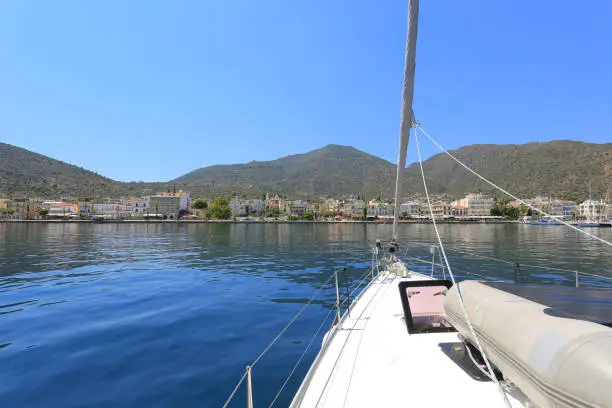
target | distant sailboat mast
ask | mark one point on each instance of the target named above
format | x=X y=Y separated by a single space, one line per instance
x=407 y=115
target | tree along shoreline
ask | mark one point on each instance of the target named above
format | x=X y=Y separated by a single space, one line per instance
x=182 y=221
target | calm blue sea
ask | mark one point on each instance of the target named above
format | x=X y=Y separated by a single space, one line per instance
x=168 y=315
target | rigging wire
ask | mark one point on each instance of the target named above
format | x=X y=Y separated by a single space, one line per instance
x=473 y=255
x=550 y=268
x=331 y=309
x=293 y=319
x=235 y=390
x=353 y=289
x=509 y=194
x=452 y=276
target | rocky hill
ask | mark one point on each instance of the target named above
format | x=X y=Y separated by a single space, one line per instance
x=559 y=168
x=331 y=170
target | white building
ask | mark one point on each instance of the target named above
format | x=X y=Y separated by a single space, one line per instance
x=592 y=210
x=378 y=209
x=440 y=209
x=141 y=206
x=115 y=209
x=475 y=205
x=411 y=208
x=60 y=208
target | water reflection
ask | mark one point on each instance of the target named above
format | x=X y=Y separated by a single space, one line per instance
x=175 y=311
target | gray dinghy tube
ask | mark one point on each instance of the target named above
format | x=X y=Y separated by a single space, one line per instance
x=555 y=361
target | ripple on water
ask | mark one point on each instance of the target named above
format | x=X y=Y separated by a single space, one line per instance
x=166 y=315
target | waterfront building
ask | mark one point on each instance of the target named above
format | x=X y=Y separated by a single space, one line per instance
x=258 y=206
x=297 y=208
x=86 y=208
x=543 y=204
x=243 y=208
x=385 y=210
x=592 y=209
x=24 y=208
x=240 y=208
x=440 y=209
x=330 y=205
x=411 y=209
x=111 y=208
x=563 y=208
x=353 y=208
x=372 y=209
x=276 y=202
x=184 y=198
x=379 y=209
x=459 y=211
x=170 y=205
x=311 y=208
x=474 y=205
x=140 y=206
x=60 y=208
x=518 y=204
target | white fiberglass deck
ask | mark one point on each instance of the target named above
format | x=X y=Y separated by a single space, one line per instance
x=372 y=361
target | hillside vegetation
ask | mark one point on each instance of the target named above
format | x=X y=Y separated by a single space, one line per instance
x=558 y=168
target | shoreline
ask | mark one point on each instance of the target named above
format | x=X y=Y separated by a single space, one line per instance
x=468 y=222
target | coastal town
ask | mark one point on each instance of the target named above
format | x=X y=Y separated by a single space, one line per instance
x=179 y=205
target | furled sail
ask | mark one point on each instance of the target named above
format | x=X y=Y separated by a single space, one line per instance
x=407 y=116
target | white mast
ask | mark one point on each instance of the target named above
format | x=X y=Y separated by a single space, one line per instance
x=407 y=114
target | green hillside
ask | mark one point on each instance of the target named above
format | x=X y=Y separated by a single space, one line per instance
x=559 y=168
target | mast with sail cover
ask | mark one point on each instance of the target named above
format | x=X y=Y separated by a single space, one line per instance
x=407 y=114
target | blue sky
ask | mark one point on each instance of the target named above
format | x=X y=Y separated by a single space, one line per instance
x=149 y=90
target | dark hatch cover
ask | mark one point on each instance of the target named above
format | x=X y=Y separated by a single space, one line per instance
x=590 y=304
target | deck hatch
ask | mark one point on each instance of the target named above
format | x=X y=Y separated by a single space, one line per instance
x=423 y=304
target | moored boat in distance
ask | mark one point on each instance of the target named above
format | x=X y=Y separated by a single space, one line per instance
x=588 y=224
x=546 y=221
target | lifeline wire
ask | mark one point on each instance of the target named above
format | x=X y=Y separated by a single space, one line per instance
x=450 y=272
x=511 y=195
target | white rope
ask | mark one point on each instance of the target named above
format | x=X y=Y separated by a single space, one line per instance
x=511 y=195
x=450 y=272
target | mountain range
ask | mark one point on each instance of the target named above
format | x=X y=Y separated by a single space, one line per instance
x=560 y=168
